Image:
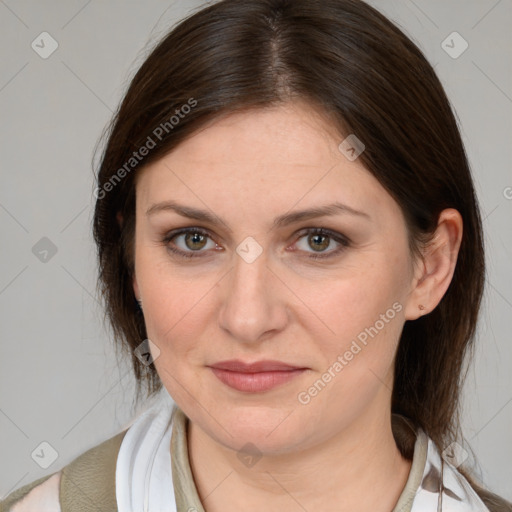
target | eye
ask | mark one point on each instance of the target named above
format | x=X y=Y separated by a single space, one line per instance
x=320 y=239
x=193 y=240
x=189 y=242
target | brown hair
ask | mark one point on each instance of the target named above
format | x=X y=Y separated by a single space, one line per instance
x=370 y=79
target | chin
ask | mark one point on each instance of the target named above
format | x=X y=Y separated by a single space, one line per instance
x=269 y=430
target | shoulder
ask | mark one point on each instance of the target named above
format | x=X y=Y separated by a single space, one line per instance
x=44 y=492
x=89 y=478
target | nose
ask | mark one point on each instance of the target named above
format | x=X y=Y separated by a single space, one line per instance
x=254 y=301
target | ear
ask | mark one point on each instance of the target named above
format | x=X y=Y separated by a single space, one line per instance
x=434 y=273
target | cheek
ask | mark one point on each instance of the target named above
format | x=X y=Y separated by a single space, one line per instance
x=176 y=309
x=356 y=326
x=344 y=307
x=175 y=316
x=357 y=356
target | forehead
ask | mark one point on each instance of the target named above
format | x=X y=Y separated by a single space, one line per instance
x=289 y=133
x=273 y=158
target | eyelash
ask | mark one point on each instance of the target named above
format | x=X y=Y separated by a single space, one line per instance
x=337 y=237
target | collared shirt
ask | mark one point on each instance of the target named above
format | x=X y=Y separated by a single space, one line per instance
x=88 y=483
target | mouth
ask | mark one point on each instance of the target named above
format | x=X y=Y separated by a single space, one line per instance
x=255 y=377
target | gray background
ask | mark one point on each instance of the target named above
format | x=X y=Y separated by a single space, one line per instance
x=60 y=379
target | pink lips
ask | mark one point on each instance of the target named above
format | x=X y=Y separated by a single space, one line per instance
x=254 y=377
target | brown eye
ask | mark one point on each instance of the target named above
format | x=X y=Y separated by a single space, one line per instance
x=319 y=239
x=318 y=242
x=189 y=242
x=195 y=241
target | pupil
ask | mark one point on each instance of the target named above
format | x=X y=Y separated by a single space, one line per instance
x=196 y=239
x=317 y=237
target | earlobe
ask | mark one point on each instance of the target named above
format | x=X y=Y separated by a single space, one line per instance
x=438 y=266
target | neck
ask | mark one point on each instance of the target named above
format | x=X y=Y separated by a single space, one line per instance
x=360 y=468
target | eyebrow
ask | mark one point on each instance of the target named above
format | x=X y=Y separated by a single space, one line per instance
x=281 y=221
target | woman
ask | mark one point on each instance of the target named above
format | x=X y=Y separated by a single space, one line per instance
x=290 y=247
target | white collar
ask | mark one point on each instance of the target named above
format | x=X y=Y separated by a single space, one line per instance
x=143 y=469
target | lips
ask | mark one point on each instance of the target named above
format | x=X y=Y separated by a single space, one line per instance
x=255 y=377
x=235 y=365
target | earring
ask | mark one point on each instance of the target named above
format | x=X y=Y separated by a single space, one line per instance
x=421 y=306
x=139 y=302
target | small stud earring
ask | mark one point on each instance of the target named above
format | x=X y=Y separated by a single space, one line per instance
x=140 y=303
x=421 y=306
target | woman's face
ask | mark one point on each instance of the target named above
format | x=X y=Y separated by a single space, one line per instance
x=246 y=287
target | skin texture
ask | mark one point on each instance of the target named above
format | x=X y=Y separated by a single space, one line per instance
x=336 y=452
